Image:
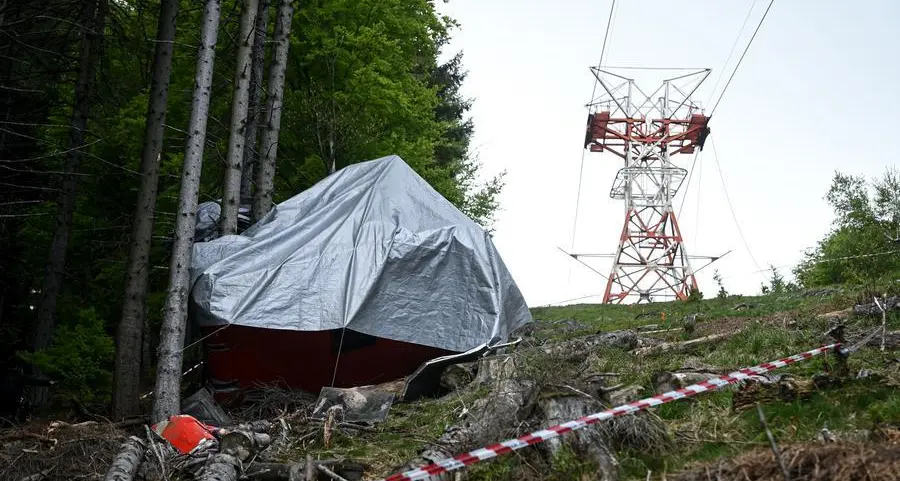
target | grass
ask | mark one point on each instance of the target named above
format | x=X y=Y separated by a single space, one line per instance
x=702 y=428
x=773 y=326
x=408 y=428
x=612 y=317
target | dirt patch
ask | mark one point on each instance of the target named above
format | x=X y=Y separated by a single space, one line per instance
x=59 y=451
x=808 y=462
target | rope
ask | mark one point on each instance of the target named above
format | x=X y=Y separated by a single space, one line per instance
x=821 y=261
x=482 y=454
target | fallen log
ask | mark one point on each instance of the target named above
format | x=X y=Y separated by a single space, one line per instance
x=682 y=346
x=220 y=467
x=579 y=349
x=126 y=464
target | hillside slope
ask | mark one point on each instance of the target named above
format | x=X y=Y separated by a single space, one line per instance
x=859 y=407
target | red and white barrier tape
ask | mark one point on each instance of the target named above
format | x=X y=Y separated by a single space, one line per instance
x=472 y=457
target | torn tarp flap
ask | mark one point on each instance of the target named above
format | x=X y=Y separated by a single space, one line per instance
x=372 y=248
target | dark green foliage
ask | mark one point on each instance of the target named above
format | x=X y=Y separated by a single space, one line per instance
x=80 y=358
x=694 y=295
x=363 y=81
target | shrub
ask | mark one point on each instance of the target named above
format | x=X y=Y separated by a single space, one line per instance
x=80 y=359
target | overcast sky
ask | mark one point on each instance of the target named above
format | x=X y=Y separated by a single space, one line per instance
x=817 y=92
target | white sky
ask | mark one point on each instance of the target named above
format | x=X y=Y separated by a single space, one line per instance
x=816 y=93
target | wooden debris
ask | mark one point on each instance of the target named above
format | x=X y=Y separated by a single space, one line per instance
x=622 y=394
x=307 y=470
x=38 y=476
x=126 y=464
x=220 y=467
x=837 y=315
x=672 y=380
x=588 y=443
x=243 y=444
x=576 y=350
x=683 y=346
x=873 y=308
x=490 y=370
x=785 y=389
x=492 y=417
x=273 y=472
x=333 y=416
x=772 y=443
x=808 y=462
x=310 y=467
x=330 y=473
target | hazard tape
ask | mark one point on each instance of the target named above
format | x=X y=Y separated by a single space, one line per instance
x=482 y=454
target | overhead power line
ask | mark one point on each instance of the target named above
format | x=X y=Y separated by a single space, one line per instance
x=730 y=206
x=731 y=52
x=593 y=93
x=761 y=20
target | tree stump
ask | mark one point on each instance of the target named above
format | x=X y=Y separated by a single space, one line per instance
x=587 y=443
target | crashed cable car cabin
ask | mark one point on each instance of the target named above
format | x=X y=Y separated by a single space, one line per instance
x=356 y=281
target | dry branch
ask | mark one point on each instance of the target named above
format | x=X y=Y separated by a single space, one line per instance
x=347 y=470
x=682 y=346
x=774 y=446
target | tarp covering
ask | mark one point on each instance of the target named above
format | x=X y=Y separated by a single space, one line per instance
x=372 y=248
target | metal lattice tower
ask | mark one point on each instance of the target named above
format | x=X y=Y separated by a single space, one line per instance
x=647 y=131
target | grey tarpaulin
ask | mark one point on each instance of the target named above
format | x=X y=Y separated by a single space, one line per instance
x=207 y=226
x=372 y=248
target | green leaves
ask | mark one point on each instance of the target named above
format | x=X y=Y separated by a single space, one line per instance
x=867 y=224
x=80 y=358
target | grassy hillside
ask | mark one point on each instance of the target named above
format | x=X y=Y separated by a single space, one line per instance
x=697 y=430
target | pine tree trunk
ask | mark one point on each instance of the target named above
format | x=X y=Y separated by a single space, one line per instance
x=128 y=336
x=231 y=189
x=258 y=57
x=168 y=374
x=265 y=174
x=93 y=16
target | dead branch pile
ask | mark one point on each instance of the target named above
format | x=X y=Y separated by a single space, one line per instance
x=270 y=402
x=60 y=451
x=809 y=462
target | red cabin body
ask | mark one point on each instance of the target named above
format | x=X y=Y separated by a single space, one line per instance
x=241 y=357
